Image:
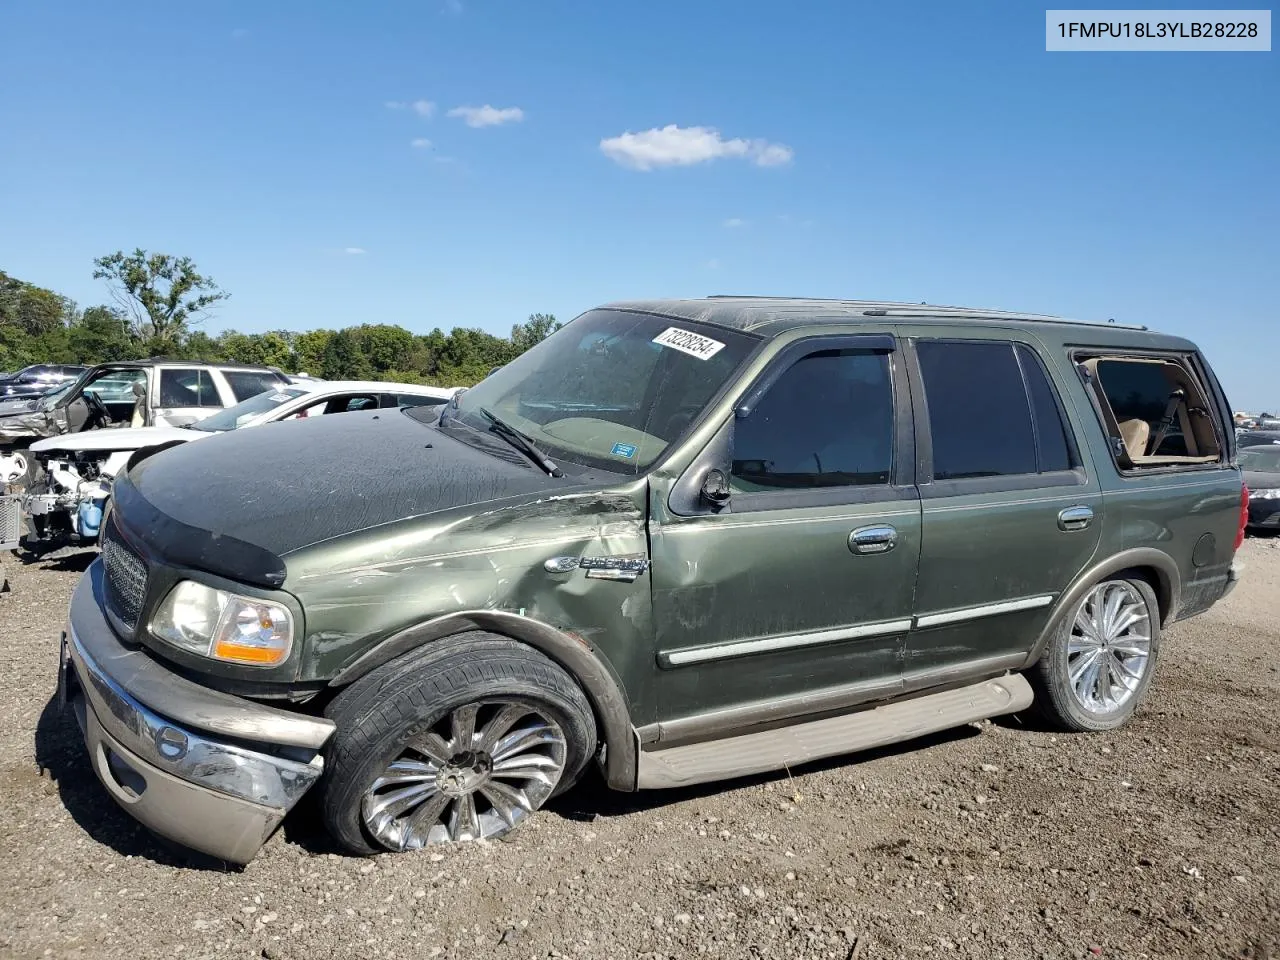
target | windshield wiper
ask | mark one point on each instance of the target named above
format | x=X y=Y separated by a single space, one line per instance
x=520 y=442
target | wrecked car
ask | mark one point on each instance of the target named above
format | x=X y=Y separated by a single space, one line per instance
x=682 y=540
x=65 y=503
x=131 y=393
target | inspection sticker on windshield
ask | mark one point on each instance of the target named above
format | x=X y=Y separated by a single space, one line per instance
x=627 y=450
x=279 y=397
x=694 y=344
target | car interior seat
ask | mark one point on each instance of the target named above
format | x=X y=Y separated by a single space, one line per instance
x=1135 y=434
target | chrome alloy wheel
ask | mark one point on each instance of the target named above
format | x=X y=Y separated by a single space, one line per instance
x=1109 y=647
x=475 y=774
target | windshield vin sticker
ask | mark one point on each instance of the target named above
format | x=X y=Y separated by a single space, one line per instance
x=694 y=344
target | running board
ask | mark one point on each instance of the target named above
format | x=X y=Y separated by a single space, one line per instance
x=785 y=746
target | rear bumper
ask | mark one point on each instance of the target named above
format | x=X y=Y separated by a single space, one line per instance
x=212 y=772
x=1233 y=577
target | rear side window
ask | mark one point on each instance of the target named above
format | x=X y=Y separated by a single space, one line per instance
x=826 y=422
x=248 y=383
x=1046 y=414
x=992 y=411
x=188 y=388
x=412 y=400
x=1156 y=410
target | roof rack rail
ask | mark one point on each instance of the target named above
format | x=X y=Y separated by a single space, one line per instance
x=979 y=314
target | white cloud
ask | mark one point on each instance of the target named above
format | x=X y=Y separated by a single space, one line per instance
x=423 y=108
x=421 y=143
x=673 y=146
x=734 y=222
x=354 y=251
x=487 y=116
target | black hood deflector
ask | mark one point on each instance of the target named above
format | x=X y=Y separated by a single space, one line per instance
x=237 y=503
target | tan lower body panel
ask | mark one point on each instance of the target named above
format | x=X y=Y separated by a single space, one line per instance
x=784 y=746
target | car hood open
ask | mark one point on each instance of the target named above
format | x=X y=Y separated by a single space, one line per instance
x=285 y=486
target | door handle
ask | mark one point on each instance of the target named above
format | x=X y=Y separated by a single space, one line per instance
x=1075 y=518
x=879 y=538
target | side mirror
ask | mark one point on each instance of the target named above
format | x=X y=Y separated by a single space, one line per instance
x=715 y=488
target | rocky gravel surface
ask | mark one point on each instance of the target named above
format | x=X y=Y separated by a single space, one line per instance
x=998 y=840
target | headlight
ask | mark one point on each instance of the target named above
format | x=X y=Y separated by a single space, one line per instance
x=1271 y=493
x=225 y=626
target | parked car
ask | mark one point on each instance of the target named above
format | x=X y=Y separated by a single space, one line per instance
x=66 y=503
x=686 y=540
x=1257 y=438
x=133 y=393
x=38 y=379
x=1261 y=466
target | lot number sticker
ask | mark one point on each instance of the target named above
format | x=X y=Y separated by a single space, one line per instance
x=694 y=344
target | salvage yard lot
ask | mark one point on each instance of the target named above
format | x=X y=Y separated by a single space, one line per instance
x=996 y=840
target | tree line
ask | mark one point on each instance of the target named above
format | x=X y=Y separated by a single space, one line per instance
x=159 y=299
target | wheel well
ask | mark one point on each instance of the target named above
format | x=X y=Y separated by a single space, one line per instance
x=573 y=654
x=1159 y=583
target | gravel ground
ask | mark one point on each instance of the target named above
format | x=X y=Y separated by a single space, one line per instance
x=996 y=840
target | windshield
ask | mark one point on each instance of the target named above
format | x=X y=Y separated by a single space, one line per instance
x=247 y=410
x=611 y=389
x=50 y=399
x=1261 y=459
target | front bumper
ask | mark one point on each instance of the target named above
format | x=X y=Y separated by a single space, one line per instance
x=207 y=770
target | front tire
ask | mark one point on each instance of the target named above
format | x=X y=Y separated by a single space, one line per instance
x=1102 y=658
x=462 y=739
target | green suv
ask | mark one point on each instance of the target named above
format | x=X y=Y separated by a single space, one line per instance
x=687 y=540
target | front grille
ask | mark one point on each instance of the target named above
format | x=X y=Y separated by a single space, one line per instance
x=126 y=578
x=10 y=522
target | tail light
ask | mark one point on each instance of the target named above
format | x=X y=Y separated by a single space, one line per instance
x=1244 y=515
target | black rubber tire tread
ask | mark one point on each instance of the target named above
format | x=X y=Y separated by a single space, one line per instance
x=1054 y=700
x=376 y=713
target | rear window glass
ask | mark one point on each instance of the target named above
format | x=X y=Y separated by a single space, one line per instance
x=249 y=383
x=188 y=388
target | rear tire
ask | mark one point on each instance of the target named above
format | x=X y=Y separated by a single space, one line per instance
x=1101 y=660
x=462 y=739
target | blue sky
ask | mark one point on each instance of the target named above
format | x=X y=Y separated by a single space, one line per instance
x=908 y=151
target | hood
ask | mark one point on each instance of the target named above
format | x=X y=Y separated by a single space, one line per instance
x=285 y=486
x=9 y=407
x=127 y=438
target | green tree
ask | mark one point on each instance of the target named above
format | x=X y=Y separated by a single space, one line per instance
x=343 y=358
x=309 y=349
x=385 y=347
x=533 y=331
x=198 y=345
x=102 y=334
x=161 y=293
x=266 y=349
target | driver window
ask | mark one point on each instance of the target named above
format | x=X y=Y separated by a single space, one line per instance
x=827 y=422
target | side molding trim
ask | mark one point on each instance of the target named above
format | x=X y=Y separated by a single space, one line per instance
x=582 y=662
x=739 y=648
x=984 y=610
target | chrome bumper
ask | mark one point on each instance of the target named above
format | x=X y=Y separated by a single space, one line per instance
x=207 y=770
